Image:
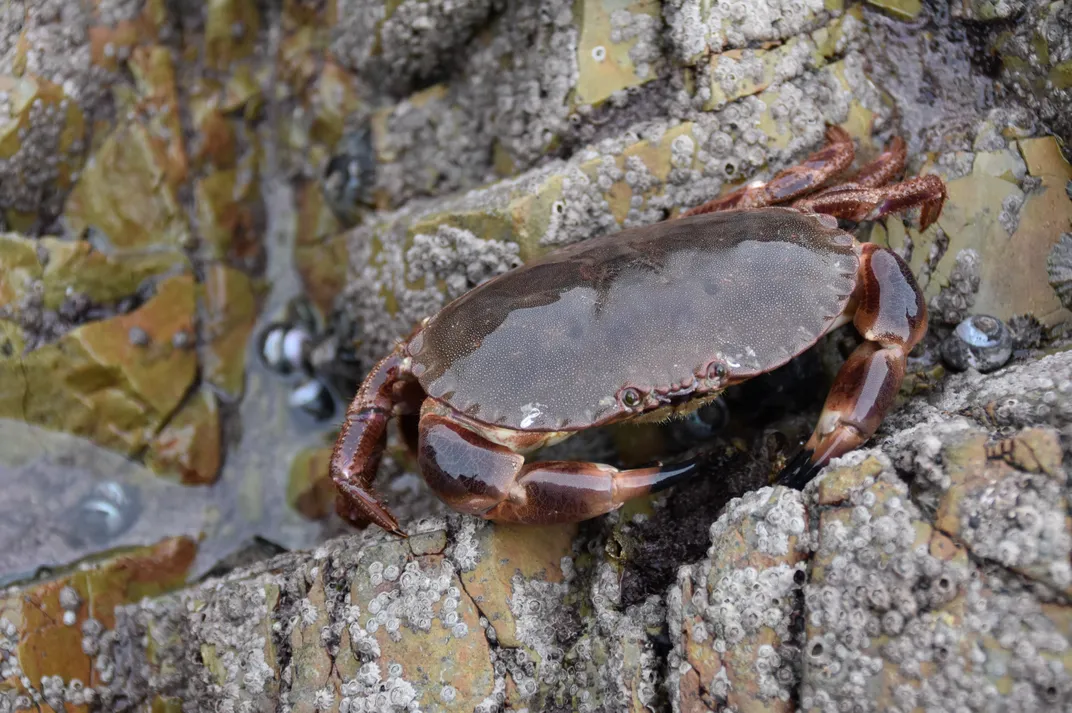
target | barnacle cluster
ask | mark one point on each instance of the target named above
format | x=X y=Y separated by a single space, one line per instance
x=1059 y=266
x=742 y=604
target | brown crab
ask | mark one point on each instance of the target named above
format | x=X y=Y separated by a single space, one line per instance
x=644 y=324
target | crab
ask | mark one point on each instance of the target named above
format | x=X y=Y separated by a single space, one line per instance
x=642 y=325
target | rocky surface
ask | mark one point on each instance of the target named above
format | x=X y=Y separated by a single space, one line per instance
x=139 y=179
x=931 y=569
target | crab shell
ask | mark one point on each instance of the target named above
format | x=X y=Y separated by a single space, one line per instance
x=647 y=320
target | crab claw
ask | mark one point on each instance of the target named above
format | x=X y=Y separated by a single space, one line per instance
x=863 y=392
x=799 y=471
x=360 y=446
x=360 y=508
x=892 y=318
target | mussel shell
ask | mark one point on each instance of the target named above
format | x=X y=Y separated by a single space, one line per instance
x=313 y=398
x=285 y=349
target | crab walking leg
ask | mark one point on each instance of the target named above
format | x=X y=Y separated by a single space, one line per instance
x=360 y=446
x=891 y=316
x=856 y=204
x=881 y=171
x=475 y=476
x=793 y=182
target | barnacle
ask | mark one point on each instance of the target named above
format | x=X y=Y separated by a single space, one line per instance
x=1059 y=267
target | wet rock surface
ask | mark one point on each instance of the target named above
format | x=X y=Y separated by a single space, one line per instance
x=135 y=270
x=933 y=566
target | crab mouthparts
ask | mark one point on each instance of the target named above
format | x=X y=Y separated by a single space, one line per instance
x=675 y=394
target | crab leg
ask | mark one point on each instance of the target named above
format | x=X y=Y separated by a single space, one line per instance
x=360 y=446
x=891 y=316
x=475 y=476
x=858 y=204
x=793 y=182
x=881 y=171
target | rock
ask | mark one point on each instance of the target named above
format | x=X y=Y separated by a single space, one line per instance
x=58 y=633
x=148 y=137
x=229 y=307
x=903 y=9
x=561 y=72
x=394 y=44
x=310 y=490
x=1011 y=222
x=68 y=501
x=320 y=249
x=952 y=303
x=618 y=48
x=1013 y=511
x=1059 y=269
x=490 y=559
x=487 y=133
x=70 y=282
x=911 y=596
x=94 y=382
x=1035 y=56
x=697 y=28
x=190 y=445
x=860 y=588
x=740 y=73
x=42 y=142
x=731 y=617
x=987 y=10
x=128 y=196
x=636 y=178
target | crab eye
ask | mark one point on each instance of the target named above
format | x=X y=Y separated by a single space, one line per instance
x=630 y=397
x=716 y=370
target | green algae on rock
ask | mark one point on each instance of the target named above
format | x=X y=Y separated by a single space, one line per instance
x=553 y=628
x=903 y=9
x=902 y=601
x=169 y=186
x=737 y=608
x=616 y=48
x=742 y=72
x=1009 y=210
x=126 y=194
x=62 y=267
x=1035 y=54
x=900 y=597
x=319 y=249
x=494 y=556
x=397 y=43
x=95 y=382
x=700 y=27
